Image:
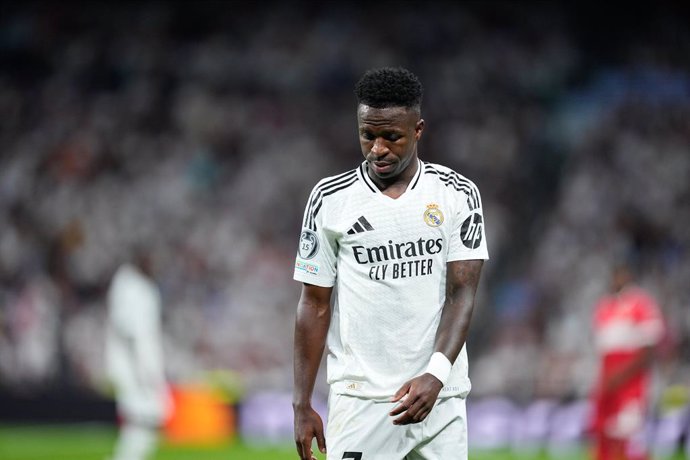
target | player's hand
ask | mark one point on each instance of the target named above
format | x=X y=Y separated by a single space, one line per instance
x=308 y=425
x=417 y=397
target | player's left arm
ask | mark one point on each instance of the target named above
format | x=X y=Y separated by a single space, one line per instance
x=417 y=396
x=642 y=361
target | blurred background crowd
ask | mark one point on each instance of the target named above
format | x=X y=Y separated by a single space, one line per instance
x=197 y=130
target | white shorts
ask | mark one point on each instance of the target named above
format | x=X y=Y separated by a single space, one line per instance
x=361 y=429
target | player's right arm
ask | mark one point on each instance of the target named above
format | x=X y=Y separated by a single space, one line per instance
x=311 y=328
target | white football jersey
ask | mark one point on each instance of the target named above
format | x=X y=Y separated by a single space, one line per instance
x=134 y=350
x=387 y=259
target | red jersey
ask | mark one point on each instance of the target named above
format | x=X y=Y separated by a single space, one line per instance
x=624 y=325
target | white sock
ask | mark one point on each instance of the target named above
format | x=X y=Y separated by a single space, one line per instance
x=135 y=442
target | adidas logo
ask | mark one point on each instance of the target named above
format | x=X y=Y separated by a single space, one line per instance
x=362 y=225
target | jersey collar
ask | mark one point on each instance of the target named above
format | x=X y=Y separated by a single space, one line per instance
x=369 y=184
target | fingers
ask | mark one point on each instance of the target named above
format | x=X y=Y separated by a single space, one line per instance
x=409 y=418
x=401 y=392
x=415 y=413
x=400 y=408
x=416 y=417
x=321 y=441
x=308 y=425
x=304 y=445
x=303 y=450
x=413 y=408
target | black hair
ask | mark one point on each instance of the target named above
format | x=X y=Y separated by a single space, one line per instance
x=389 y=87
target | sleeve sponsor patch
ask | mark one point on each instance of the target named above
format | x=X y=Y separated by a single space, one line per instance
x=306 y=267
x=471 y=231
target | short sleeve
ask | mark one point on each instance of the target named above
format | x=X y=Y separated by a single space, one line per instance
x=317 y=248
x=468 y=239
x=648 y=320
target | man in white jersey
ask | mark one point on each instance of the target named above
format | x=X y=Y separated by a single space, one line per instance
x=403 y=241
x=134 y=358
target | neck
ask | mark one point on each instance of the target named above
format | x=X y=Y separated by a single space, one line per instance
x=395 y=186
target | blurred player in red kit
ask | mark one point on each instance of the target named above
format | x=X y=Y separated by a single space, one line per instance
x=627 y=326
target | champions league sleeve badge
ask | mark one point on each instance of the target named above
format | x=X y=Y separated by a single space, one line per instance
x=433 y=215
x=308 y=244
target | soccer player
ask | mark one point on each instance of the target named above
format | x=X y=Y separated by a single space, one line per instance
x=628 y=326
x=403 y=243
x=135 y=358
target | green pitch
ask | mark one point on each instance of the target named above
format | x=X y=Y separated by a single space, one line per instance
x=94 y=442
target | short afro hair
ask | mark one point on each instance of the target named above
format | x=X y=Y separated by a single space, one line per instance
x=389 y=87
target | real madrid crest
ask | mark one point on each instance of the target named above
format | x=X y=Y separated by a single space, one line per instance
x=433 y=215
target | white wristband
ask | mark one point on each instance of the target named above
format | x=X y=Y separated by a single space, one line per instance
x=439 y=366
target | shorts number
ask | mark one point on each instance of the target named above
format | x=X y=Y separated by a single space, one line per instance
x=352 y=455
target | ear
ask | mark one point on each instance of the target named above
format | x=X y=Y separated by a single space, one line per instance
x=418 y=129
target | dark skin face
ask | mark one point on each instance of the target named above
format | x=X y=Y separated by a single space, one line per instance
x=145 y=263
x=388 y=138
x=621 y=277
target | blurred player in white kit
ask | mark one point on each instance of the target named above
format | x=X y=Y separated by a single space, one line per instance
x=134 y=358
